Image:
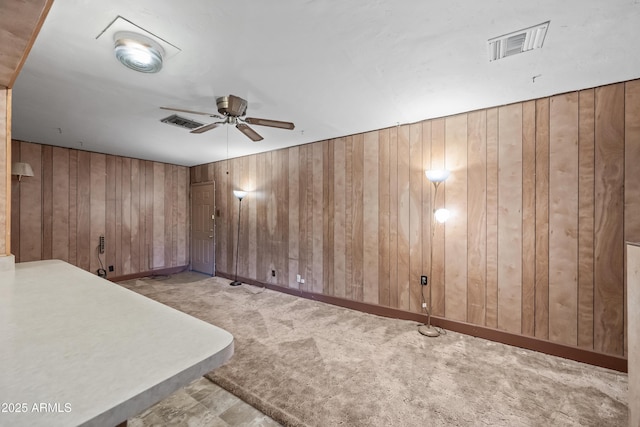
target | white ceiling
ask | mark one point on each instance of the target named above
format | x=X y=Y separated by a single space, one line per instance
x=332 y=67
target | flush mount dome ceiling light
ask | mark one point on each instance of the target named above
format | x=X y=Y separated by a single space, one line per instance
x=138 y=52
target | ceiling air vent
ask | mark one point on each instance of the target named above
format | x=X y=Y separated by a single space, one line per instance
x=517 y=42
x=176 y=120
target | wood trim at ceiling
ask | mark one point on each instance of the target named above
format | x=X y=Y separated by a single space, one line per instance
x=20 y=23
x=590 y=357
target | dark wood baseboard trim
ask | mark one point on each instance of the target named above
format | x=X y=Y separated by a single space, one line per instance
x=158 y=272
x=591 y=357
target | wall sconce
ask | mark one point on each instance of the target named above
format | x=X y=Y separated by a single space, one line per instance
x=21 y=169
x=436 y=176
x=240 y=195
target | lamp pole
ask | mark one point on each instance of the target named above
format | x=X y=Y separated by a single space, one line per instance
x=436 y=177
x=240 y=195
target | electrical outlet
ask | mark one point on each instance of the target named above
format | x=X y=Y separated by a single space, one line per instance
x=423 y=280
x=298 y=278
x=273 y=273
x=424 y=305
x=301 y=280
x=111 y=268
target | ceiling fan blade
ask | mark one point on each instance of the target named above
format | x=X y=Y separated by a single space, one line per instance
x=191 y=112
x=250 y=133
x=205 y=128
x=272 y=123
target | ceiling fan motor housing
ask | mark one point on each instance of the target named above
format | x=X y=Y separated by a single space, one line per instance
x=231 y=105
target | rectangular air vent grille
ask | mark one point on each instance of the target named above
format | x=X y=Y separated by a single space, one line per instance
x=517 y=42
x=176 y=120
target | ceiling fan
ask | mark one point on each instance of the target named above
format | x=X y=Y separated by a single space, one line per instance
x=232 y=110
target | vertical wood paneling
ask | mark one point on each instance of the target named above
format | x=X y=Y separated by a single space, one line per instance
x=631 y=177
x=357 y=174
x=73 y=206
x=77 y=196
x=150 y=214
x=404 y=200
x=383 y=217
x=110 y=214
x=426 y=212
x=317 y=213
x=222 y=213
x=6 y=157
x=416 y=179
x=283 y=224
x=632 y=162
x=14 y=243
x=349 y=219
x=142 y=214
x=251 y=231
x=542 y=219
x=491 y=318
x=306 y=216
x=169 y=202
x=118 y=216
x=339 y=218
x=609 y=219
x=60 y=214
x=97 y=208
x=585 y=217
x=456 y=227
x=437 y=268
x=328 y=217
x=477 y=218
x=47 y=201
x=175 y=207
x=126 y=221
x=393 y=217
x=85 y=243
x=294 y=215
x=158 y=217
x=528 y=217
x=370 y=222
x=563 y=218
x=31 y=205
x=510 y=218
x=135 y=215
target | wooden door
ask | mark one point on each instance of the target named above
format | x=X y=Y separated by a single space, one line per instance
x=203 y=228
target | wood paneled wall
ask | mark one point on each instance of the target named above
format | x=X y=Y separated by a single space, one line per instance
x=141 y=207
x=5 y=170
x=543 y=193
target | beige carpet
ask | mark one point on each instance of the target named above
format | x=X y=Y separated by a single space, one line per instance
x=307 y=363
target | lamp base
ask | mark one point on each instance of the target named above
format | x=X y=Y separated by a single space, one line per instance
x=235 y=283
x=428 y=331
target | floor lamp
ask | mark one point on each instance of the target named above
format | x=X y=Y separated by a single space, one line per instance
x=439 y=216
x=240 y=195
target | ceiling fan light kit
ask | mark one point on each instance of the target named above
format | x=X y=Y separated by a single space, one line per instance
x=232 y=110
x=138 y=52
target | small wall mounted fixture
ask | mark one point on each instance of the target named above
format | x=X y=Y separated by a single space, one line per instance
x=21 y=169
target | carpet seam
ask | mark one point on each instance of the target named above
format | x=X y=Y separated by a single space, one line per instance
x=275 y=413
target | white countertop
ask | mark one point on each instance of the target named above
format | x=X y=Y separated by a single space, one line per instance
x=76 y=349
